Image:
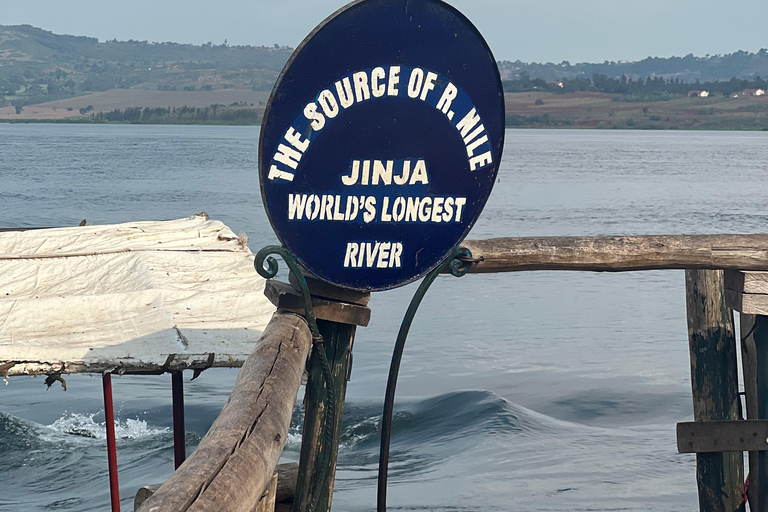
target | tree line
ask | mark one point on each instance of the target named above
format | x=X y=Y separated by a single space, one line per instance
x=654 y=86
x=237 y=113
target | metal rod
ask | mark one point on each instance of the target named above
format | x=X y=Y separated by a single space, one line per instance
x=109 y=421
x=458 y=268
x=179 y=432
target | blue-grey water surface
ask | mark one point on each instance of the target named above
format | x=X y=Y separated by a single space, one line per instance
x=537 y=391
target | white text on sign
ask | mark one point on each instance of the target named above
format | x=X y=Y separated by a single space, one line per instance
x=373 y=255
x=383 y=82
x=393 y=210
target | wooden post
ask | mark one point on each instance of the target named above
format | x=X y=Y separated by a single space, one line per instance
x=338 y=340
x=338 y=312
x=749 y=370
x=754 y=337
x=759 y=334
x=714 y=379
x=747 y=293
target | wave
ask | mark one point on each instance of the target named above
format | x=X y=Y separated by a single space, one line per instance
x=84 y=425
x=17 y=434
x=426 y=433
x=442 y=419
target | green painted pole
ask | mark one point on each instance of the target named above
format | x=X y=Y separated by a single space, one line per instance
x=318 y=458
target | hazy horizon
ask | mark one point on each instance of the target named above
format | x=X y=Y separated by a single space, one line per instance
x=590 y=31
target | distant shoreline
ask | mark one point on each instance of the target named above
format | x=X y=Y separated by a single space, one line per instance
x=535 y=109
x=88 y=121
x=511 y=127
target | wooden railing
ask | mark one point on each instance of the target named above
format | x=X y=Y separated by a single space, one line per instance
x=235 y=461
x=621 y=253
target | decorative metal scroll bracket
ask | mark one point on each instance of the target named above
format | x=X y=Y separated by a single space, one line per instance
x=458 y=263
x=269 y=272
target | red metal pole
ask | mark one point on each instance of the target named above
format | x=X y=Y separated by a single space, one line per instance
x=109 y=420
x=179 y=433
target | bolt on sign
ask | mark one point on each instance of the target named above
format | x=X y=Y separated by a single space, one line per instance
x=381 y=142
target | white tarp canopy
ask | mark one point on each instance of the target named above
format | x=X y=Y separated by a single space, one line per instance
x=136 y=297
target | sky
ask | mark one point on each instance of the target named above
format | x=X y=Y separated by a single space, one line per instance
x=550 y=31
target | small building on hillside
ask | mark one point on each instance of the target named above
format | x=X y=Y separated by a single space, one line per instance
x=698 y=94
x=555 y=84
x=753 y=92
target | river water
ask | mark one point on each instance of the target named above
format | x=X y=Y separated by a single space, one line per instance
x=537 y=391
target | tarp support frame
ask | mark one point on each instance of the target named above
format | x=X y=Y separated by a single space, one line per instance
x=109 y=422
x=179 y=433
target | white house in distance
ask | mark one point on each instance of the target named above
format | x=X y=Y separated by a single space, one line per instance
x=753 y=92
x=698 y=94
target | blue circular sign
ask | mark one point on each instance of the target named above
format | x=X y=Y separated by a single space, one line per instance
x=381 y=142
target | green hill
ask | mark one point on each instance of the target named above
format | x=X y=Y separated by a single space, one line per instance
x=48 y=76
x=37 y=65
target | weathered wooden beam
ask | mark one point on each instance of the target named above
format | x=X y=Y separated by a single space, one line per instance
x=286 y=298
x=268 y=499
x=747 y=292
x=714 y=380
x=234 y=462
x=286 y=481
x=325 y=290
x=747 y=282
x=284 y=491
x=621 y=253
x=722 y=436
x=143 y=494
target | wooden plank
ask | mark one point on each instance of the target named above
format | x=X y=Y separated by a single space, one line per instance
x=287 y=474
x=286 y=298
x=714 y=381
x=315 y=457
x=143 y=494
x=234 y=462
x=621 y=253
x=747 y=303
x=747 y=281
x=267 y=501
x=722 y=436
x=323 y=289
x=747 y=292
x=284 y=491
